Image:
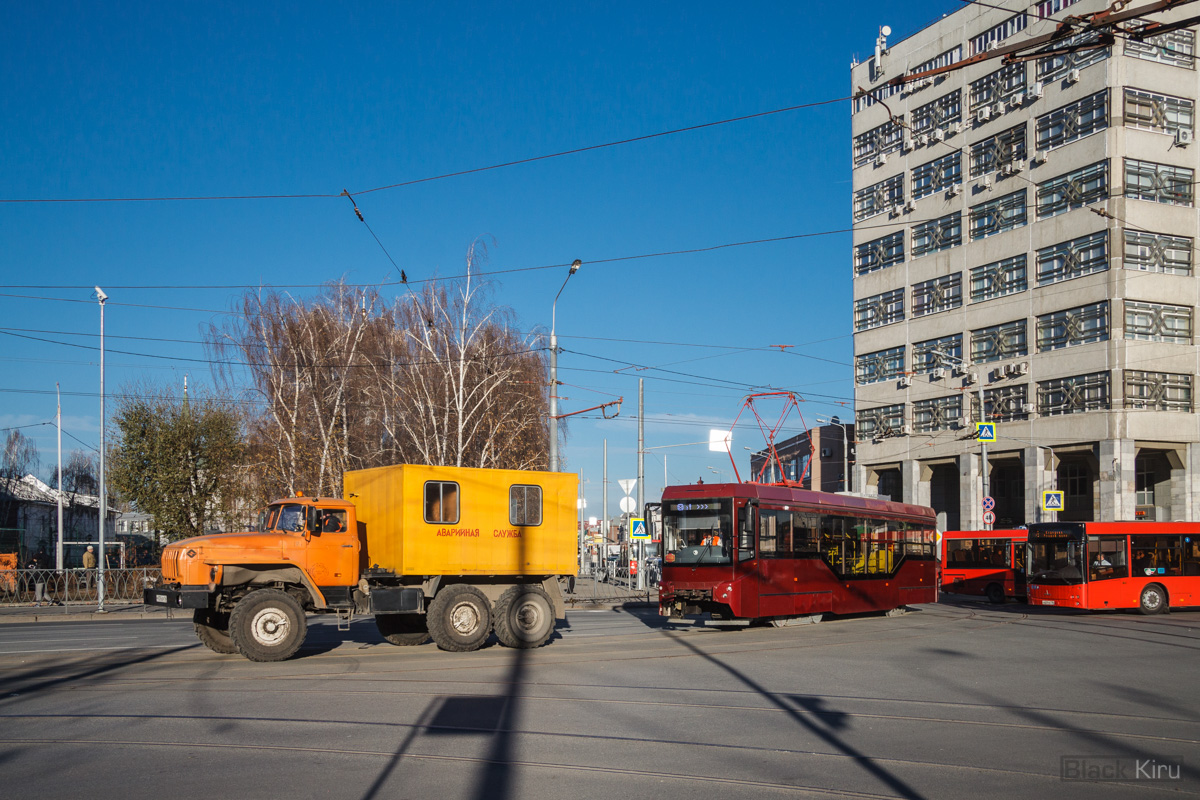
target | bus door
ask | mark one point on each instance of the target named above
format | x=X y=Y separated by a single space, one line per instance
x=776 y=564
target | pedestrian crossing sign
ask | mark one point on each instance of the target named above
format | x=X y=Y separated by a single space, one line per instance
x=1052 y=500
x=637 y=528
x=985 y=431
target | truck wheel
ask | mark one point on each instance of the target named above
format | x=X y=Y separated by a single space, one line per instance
x=212 y=628
x=402 y=629
x=1153 y=599
x=268 y=625
x=995 y=594
x=459 y=618
x=524 y=617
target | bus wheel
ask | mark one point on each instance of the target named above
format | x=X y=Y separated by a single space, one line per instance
x=459 y=618
x=524 y=617
x=268 y=625
x=402 y=629
x=212 y=629
x=1154 y=599
x=995 y=593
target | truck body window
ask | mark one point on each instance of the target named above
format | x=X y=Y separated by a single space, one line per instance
x=441 y=502
x=524 y=505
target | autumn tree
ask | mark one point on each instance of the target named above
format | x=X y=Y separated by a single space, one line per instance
x=181 y=460
x=20 y=458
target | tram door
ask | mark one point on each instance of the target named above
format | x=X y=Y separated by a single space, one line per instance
x=775 y=565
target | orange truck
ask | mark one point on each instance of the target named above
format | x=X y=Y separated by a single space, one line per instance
x=448 y=553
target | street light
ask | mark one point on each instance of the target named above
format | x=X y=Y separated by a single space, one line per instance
x=845 y=449
x=100 y=499
x=575 y=265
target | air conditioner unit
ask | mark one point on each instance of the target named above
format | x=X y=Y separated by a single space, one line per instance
x=906 y=144
x=959 y=370
x=921 y=140
x=964 y=422
x=905 y=381
x=970 y=378
x=1073 y=76
x=1021 y=368
x=895 y=211
x=953 y=190
x=880 y=160
x=826 y=452
x=1026 y=408
x=938 y=373
x=999 y=373
x=1037 y=90
x=1015 y=166
x=983 y=114
x=985 y=182
x=1017 y=100
x=1041 y=156
x=906 y=429
x=938 y=136
x=1184 y=137
x=957 y=127
x=908 y=207
x=1005 y=170
x=997 y=109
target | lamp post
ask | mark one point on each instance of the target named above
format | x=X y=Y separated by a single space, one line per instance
x=100 y=498
x=845 y=449
x=983 y=445
x=575 y=265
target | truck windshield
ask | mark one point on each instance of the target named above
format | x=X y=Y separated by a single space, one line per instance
x=1056 y=562
x=287 y=517
x=697 y=531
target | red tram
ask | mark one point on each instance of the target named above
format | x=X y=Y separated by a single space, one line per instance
x=775 y=552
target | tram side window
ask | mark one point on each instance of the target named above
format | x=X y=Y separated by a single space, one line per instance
x=1106 y=558
x=774 y=533
x=806 y=532
x=745 y=533
x=1156 y=555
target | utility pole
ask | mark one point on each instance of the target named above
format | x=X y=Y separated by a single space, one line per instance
x=101 y=499
x=641 y=484
x=601 y=549
x=58 y=557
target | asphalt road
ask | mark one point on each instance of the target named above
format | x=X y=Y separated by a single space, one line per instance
x=948 y=701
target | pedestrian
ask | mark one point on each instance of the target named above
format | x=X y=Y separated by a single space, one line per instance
x=89 y=566
x=38 y=576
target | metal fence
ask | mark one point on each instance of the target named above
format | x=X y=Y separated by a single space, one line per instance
x=49 y=586
x=600 y=588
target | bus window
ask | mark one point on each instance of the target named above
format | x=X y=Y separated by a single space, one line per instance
x=1191 y=556
x=1156 y=555
x=1106 y=558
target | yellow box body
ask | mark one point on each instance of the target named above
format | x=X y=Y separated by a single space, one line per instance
x=471 y=532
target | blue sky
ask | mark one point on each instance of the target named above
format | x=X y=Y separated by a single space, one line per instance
x=122 y=100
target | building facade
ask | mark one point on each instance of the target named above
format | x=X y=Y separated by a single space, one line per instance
x=815 y=459
x=1023 y=254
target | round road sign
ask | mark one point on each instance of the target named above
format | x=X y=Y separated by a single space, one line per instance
x=989 y=517
x=989 y=503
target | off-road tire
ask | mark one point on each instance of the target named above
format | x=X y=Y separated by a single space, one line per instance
x=404 y=630
x=1153 y=599
x=268 y=625
x=459 y=618
x=212 y=629
x=524 y=617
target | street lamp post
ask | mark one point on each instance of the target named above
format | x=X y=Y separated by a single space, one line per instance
x=100 y=498
x=845 y=450
x=575 y=265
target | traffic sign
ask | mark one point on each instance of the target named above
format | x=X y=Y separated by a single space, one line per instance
x=627 y=484
x=989 y=517
x=989 y=503
x=628 y=504
x=985 y=431
x=1052 y=500
x=638 y=529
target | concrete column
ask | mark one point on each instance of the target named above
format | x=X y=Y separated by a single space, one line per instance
x=910 y=475
x=1037 y=479
x=1117 y=500
x=861 y=485
x=1189 y=485
x=970 y=512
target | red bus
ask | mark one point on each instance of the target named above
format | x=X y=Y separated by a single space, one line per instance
x=986 y=563
x=1149 y=566
x=755 y=551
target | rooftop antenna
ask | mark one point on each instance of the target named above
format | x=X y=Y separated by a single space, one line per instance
x=881 y=50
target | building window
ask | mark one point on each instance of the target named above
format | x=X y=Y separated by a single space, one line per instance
x=1073 y=190
x=938 y=414
x=441 y=502
x=1158 y=252
x=1071 y=122
x=1047 y=8
x=951 y=56
x=1072 y=326
x=879 y=197
x=1083 y=256
x=937 y=176
x=999 y=342
x=999 y=33
x=996 y=151
x=1177 y=48
x=879 y=253
x=1003 y=404
x=1158 y=112
x=932 y=354
x=876 y=95
x=1155 y=322
x=1160 y=391
x=877 y=423
x=998 y=279
x=939 y=294
x=1158 y=183
x=1073 y=395
x=878 y=141
x=938 y=115
x=998 y=86
x=1052 y=68
x=999 y=215
x=879 y=310
x=879 y=366
x=937 y=234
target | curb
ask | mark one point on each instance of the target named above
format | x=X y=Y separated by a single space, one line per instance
x=82 y=615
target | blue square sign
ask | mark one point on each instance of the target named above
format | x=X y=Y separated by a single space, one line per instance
x=985 y=431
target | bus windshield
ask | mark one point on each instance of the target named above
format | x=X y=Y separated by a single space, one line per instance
x=697 y=531
x=1056 y=562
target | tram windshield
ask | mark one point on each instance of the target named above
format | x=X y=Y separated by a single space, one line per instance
x=697 y=531
x=1056 y=562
